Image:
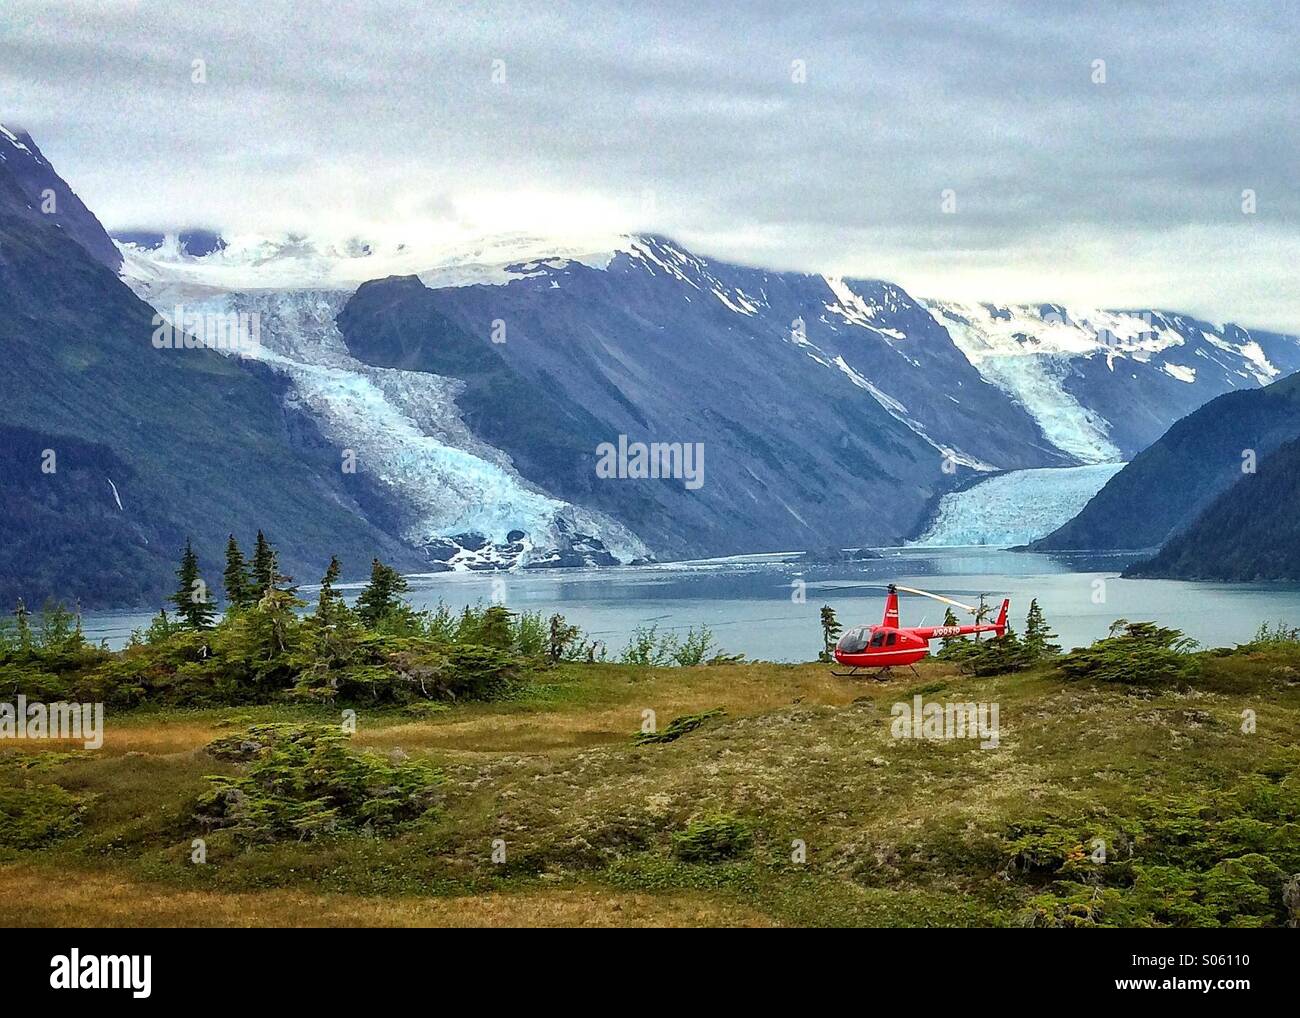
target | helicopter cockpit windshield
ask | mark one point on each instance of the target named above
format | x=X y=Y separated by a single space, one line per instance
x=854 y=641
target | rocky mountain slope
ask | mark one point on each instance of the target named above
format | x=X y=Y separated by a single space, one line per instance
x=46 y=198
x=1103 y=384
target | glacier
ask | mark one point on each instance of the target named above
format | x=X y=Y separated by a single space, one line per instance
x=1014 y=508
x=463 y=501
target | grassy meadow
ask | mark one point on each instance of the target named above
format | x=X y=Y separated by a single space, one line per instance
x=796 y=806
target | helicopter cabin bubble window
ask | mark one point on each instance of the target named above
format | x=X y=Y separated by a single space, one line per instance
x=854 y=641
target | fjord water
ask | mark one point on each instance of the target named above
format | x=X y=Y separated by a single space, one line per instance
x=749 y=601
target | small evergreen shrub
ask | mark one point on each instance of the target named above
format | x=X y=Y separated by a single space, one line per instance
x=303 y=782
x=713 y=839
x=678 y=727
x=1135 y=653
x=1221 y=860
x=35 y=815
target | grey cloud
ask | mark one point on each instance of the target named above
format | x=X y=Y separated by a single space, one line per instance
x=314 y=107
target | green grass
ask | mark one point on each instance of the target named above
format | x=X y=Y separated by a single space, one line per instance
x=893 y=832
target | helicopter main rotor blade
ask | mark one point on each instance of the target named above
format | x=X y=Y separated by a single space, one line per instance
x=937 y=597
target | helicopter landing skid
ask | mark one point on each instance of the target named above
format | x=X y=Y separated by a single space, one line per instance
x=879 y=674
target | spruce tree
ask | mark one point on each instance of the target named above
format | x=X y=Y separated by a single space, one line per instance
x=330 y=605
x=264 y=566
x=332 y=630
x=497 y=629
x=1038 y=636
x=996 y=656
x=831 y=630
x=239 y=583
x=271 y=637
x=561 y=638
x=982 y=612
x=22 y=618
x=191 y=599
x=950 y=646
x=382 y=595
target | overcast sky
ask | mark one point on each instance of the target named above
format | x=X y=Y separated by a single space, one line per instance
x=691 y=119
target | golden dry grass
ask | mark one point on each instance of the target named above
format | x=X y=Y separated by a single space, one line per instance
x=609 y=715
x=41 y=896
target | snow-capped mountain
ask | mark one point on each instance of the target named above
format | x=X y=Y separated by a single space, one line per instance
x=457 y=403
x=1103 y=384
x=114 y=453
x=200 y=260
x=832 y=409
x=49 y=200
x=772 y=373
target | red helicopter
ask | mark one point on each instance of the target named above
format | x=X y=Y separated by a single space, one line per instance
x=888 y=645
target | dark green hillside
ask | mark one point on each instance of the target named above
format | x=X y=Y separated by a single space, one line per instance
x=1250 y=532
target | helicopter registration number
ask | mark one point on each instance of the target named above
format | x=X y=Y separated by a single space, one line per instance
x=947 y=631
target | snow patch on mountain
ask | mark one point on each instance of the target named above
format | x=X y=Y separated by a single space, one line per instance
x=660 y=256
x=248 y=262
x=987 y=387
x=1014 y=508
x=18 y=144
x=1036 y=353
x=899 y=412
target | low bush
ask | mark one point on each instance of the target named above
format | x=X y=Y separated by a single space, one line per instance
x=1223 y=860
x=646 y=647
x=713 y=839
x=1277 y=635
x=35 y=815
x=678 y=727
x=303 y=781
x=1135 y=654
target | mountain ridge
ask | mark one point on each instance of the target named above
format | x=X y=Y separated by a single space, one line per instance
x=473 y=396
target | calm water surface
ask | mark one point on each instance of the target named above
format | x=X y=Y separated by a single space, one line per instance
x=747 y=602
